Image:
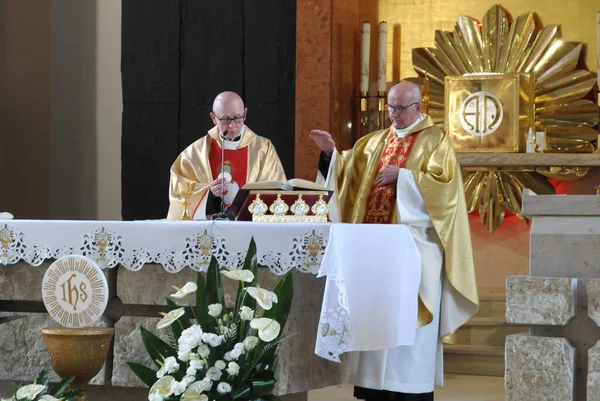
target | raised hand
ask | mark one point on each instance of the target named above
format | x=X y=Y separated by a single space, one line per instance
x=323 y=140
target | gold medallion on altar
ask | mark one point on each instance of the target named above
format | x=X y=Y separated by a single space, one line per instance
x=75 y=291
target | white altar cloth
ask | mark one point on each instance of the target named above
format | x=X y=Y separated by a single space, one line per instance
x=373 y=271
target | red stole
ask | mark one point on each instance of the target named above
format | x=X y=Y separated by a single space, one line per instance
x=236 y=162
x=381 y=203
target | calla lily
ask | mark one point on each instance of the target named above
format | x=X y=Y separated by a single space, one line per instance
x=170 y=317
x=268 y=329
x=239 y=275
x=162 y=386
x=187 y=289
x=48 y=398
x=194 y=392
x=30 y=391
x=265 y=298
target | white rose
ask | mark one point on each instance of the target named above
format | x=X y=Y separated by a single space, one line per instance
x=227 y=356
x=246 y=313
x=235 y=354
x=233 y=369
x=213 y=374
x=239 y=346
x=212 y=339
x=190 y=338
x=184 y=356
x=207 y=383
x=250 y=342
x=191 y=371
x=203 y=351
x=215 y=310
x=170 y=365
x=177 y=387
x=223 y=388
x=220 y=365
x=189 y=379
x=196 y=364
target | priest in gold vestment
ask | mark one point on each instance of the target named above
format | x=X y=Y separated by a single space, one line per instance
x=408 y=174
x=247 y=158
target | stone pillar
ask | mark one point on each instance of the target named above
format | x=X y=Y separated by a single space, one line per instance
x=565 y=233
x=539 y=368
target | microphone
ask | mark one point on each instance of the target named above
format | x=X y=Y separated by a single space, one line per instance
x=222 y=215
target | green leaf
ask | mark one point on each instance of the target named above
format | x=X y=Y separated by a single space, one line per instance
x=58 y=389
x=250 y=263
x=285 y=293
x=241 y=393
x=6 y=319
x=214 y=287
x=147 y=375
x=42 y=378
x=157 y=348
x=201 y=306
x=214 y=291
x=262 y=387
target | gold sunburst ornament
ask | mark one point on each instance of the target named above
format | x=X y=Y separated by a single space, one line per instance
x=497 y=86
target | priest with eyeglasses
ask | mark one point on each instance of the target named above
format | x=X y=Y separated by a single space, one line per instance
x=222 y=161
x=407 y=174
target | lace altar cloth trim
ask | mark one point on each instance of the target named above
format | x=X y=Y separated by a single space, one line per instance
x=174 y=245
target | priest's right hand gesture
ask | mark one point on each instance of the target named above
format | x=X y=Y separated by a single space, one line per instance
x=217 y=187
x=323 y=140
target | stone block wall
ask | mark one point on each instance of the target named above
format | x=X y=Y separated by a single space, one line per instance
x=543 y=364
x=135 y=299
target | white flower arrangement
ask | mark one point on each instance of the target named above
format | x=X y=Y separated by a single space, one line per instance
x=221 y=353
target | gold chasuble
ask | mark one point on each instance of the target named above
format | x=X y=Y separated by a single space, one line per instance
x=428 y=153
x=254 y=160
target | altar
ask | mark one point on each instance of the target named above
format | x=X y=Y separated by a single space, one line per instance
x=142 y=260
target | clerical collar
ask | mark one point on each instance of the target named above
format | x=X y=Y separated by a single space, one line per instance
x=402 y=132
x=233 y=143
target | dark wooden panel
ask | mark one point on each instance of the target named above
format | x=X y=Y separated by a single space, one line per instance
x=149 y=146
x=150 y=51
x=211 y=55
x=269 y=71
x=177 y=55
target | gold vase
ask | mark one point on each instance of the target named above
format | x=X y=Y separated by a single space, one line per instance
x=78 y=352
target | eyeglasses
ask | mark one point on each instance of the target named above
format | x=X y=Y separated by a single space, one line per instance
x=399 y=109
x=229 y=120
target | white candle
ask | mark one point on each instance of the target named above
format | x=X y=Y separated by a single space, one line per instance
x=364 y=57
x=382 y=60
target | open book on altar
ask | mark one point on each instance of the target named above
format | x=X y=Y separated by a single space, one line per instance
x=296 y=200
x=294 y=183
